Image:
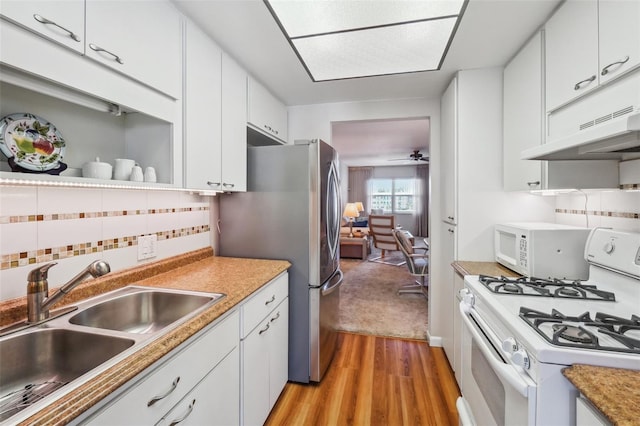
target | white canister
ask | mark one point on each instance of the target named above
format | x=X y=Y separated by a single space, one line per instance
x=97 y=170
x=122 y=168
x=150 y=174
x=136 y=174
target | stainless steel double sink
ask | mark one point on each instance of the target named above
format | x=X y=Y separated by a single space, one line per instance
x=43 y=362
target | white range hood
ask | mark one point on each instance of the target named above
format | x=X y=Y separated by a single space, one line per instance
x=606 y=141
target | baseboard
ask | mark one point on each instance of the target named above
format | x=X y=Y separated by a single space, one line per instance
x=435 y=341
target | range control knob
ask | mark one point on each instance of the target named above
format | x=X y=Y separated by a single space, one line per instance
x=509 y=345
x=469 y=299
x=609 y=247
x=521 y=358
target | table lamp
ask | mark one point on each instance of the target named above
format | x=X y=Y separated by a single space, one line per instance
x=360 y=206
x=351 y=211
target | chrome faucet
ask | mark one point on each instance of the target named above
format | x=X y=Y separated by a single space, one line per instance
x=38 y=300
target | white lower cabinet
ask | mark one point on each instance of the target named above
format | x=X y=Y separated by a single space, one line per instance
x=588 y=415
x=264 y=351
x=204 y=368
x=214 y=400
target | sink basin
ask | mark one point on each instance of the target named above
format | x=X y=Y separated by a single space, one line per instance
x=142 y=312
x=37 y=363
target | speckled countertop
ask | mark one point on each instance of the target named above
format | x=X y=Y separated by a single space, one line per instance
x=194 y=271
x=613 y=391
x=463 y=268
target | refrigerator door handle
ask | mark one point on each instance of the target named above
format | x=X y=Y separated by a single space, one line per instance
x=332 y=285
x=333 y=210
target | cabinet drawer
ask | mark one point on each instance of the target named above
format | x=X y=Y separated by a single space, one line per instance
x=181 y=372
x=263 y=302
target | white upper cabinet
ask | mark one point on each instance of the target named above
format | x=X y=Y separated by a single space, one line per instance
x=234 y=126
x=59 y=21
x=523 y=116
x=449 y=143
x=571 y=52
x=589 y=42
x=202 y=111
x=619 y=23
x=138 y=38
x=265 y=112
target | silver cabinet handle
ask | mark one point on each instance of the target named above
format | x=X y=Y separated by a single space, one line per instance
x=155 y=399
x=46 y=21
x=605 y=70
x=228 y=185
x=450 y=230
x=264 y=329
x=213 y=183
x=275 y=318
x=189 y=410
x=579 y=84
x=270 y=300
x=534 y=183
x=98 y=49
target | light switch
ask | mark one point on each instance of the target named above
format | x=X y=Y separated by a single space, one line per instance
x=147 y=246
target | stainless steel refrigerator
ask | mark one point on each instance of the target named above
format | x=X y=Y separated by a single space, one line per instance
x=291 y=211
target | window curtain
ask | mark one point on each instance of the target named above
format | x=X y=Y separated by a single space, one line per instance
x=422 y=200
x=358 y=184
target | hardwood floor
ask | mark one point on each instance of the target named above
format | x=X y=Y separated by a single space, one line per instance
x=374 y=380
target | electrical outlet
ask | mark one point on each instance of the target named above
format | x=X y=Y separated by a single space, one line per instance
x=147 y=246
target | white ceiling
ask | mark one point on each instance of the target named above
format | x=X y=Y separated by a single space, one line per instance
x=490 y=33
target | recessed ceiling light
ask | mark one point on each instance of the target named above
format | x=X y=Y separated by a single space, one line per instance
x=340 y=39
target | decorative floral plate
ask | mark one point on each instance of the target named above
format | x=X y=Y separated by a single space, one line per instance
x=33 y=142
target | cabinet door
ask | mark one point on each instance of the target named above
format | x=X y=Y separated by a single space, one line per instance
x=523 y=116
x=138 y=38
x=234 y=126
x=202 y=98
x=278 y=351
x=255 y=375
x=266 y=113
x=59 y=21
x=448 y=256
x=571 y=51
x=214 y=401
x=449 y=137
x=619 y=37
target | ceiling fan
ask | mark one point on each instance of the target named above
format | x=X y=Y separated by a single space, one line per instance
x=415 y=156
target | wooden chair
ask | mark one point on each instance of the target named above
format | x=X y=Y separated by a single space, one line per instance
x=417 y=262
x=381 y=229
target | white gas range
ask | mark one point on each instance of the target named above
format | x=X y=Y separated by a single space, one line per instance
x=519 y=334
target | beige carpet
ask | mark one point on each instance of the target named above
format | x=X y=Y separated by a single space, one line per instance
x=370 y=303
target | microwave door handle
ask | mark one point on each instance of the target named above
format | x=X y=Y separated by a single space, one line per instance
x=503 y=370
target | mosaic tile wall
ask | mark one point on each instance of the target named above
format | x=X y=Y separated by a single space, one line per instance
x=75 y=226
x=614 y=209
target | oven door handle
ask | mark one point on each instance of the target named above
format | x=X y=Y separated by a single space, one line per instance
x=505 y=371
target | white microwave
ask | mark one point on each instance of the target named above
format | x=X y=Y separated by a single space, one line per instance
x=542 y=250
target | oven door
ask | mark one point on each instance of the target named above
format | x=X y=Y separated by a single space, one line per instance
x=494 y=391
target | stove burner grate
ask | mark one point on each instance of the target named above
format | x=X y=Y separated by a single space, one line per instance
x=532 y=286
x=567 y=333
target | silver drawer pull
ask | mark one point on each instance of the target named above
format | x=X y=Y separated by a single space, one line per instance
x=605 y=70
x=264 y=329
x=46 y=21
x=228 y=185
x=276 y=317
x=189 y=410
x=535 y=183
x=155 y=399
x=213 y=183
x=270 y=300
x=584 y=82
x=99 y=49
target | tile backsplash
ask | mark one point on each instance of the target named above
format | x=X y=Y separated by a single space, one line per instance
x=75 y=226
x=614 y=209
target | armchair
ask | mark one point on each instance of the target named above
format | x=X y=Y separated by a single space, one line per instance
x=418 y=263
x=381 y=230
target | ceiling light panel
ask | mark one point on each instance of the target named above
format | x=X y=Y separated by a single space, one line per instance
x=339 y=39
x=308 y=17
x=379 y=51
